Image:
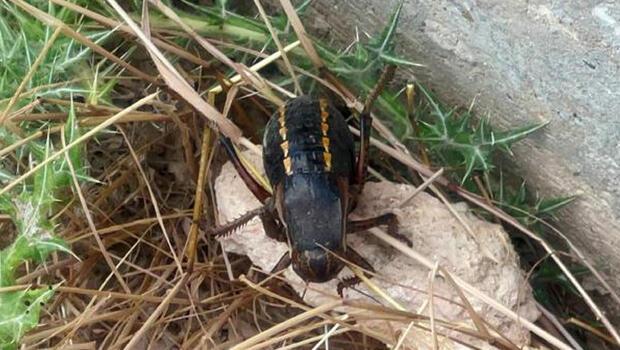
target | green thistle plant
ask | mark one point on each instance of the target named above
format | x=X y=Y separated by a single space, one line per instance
x=21 y=39
x=30 y=208
x=30 y=211
x=458 y=142
x=529 y=211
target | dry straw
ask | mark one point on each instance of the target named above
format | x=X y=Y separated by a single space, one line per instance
x=228 y=303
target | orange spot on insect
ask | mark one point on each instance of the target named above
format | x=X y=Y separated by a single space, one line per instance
x=326 y=144
x=327 y=157
x=327 y=161
x=288 y=166
x=284 y=146
x=324 y=113
x=324 y=128
x=282 y=119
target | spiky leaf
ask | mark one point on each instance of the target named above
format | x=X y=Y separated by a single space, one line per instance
x=550 y=205
x=461 y=144
x=19 y=313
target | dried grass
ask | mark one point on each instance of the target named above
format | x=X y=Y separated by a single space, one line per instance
x=139 y=219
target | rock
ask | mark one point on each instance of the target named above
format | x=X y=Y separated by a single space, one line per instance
x=522 y=62
x=435 y=233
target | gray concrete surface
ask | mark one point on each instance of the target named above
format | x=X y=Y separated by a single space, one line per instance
x=524 y=61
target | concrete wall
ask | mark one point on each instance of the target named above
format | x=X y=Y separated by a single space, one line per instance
x=524 y=61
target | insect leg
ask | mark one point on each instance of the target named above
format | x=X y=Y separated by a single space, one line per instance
x=271 y=224
x=389 y=219
x=282 y=264
x=355 y=258
x=365 y=125
x=273 y=228
x=257 y=189
x=361 y=169
x=232 y=226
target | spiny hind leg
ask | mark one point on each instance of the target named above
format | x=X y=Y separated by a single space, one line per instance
x=257 y=189
x=273 y=228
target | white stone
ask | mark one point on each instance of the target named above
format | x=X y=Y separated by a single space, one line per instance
x=435 y=233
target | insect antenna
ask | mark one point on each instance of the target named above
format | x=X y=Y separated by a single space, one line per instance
x=303 y=295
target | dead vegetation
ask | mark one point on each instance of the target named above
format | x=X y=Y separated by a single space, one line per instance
x=143 y=274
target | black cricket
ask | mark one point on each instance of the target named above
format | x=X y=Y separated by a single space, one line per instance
x=309 y=158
